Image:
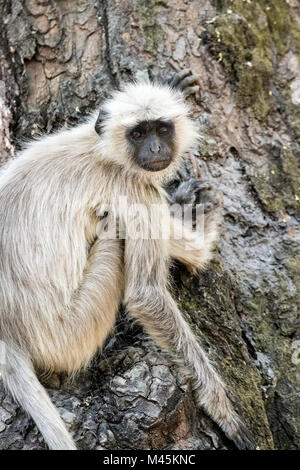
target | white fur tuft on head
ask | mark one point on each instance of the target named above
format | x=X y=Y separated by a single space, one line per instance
x=144 y=101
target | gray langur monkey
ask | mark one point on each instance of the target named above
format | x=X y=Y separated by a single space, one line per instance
x=61 y=283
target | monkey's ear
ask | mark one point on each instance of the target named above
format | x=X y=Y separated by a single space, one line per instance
x=99 y=124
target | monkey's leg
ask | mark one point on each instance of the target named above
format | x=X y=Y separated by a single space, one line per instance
x=74 y=339
x=194 y=248
x=96 y=302
x=148 y=299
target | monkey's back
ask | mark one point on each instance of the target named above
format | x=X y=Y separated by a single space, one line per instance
x=47 y=224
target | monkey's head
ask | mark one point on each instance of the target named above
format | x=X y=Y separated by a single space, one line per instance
x=145 y=128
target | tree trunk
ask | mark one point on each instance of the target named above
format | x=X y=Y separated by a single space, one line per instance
x=58 y=59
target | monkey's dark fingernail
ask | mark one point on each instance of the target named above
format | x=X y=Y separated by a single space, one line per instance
x=180 y=76
x=193 y=90
x=189 y=81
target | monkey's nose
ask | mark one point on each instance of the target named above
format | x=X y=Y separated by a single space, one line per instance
x=154 y=147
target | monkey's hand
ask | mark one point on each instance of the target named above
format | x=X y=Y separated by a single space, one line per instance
x=201 y=204
x=184 y=81
x=200 y=192
x=195 y=218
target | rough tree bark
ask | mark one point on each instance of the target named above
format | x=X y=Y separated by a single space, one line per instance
x=58 y=58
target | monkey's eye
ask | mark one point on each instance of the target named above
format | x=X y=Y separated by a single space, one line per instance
x=136 y=135
x=163 y=130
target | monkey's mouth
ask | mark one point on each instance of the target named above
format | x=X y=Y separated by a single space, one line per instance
x=156 y=165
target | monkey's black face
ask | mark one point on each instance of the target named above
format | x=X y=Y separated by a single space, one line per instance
x=152 y=144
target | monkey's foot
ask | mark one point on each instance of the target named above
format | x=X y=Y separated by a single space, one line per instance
x=184 y=81
x=198 y=192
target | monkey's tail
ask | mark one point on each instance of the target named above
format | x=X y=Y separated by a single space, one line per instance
x=213 y=398
x=20 y=379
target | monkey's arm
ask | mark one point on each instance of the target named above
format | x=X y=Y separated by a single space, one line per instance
x=194 y=248
x=147 y=298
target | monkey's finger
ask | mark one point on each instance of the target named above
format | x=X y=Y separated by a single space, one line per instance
x=188 y=81
x=164 y=80
x=191 y=91
x=193 y=186
x=210 y=206
x=201 y=185
x=179 y=76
